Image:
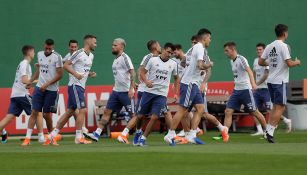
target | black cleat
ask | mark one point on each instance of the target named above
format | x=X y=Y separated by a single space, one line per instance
x=269 y=138
x=4 y=137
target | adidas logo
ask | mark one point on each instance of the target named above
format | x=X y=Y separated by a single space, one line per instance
x=273 y=53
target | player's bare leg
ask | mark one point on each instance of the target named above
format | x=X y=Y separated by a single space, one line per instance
x=274 y=119
x=79 y=123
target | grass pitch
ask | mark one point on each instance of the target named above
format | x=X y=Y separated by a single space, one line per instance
x=241 y=156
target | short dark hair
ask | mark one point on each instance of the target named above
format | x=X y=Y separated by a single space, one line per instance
x=230 y=44
x=194 y=37
x=280 y=29
x=89 y=36
x=72 y=41
x=169 y=45
x=178 y=46
x=49 y=42
x=26 y=48
x=203 y=31
x=261 y=45
x=150 y=43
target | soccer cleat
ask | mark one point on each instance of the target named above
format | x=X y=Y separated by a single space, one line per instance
x=142 y=142
x=93 y=136
x=51 y=141
x=225 y=135
x=4 y=137
x=289 y=126
x=181 y=133
x=258 y=133
x=183 y=141
x=123 y=139
x=269 y=138
x=82 y=141
x=217 y=138
x=196 y=141
x=200 y=132
x=26 y=142
x=136 y=139
x=177 y=139
x=169 y=140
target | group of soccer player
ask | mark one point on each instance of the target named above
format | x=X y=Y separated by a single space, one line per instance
x=190 y=71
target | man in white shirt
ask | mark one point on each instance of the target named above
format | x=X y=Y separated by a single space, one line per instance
x=79 y=68
x=190 y=94
x=20 y=96
x=244 y=84
x=277 y=56
x=123 y=91
x=45 y=94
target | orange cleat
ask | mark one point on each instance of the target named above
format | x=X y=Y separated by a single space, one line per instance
x=225 y=135
x=183 y=141
x=51 y=141
x=58 y=137
x=123 y=139
x=26 y=142
x=82 y=141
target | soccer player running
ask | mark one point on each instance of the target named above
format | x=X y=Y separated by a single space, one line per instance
x=73 y=47
x=156 y=74
x=244 y=85
x=262 y=94
x=190 y=94
x=277 y=56
x=123 y=91
x=79 y=68
x=20 y=96
x=45 y=94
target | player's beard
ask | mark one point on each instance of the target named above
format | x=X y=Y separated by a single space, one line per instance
x=115 y=52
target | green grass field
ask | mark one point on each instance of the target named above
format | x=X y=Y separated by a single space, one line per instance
x=242 y=155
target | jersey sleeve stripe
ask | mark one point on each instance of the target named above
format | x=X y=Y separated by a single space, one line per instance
x=146 y=60
x=126 y=62
x=75 y=55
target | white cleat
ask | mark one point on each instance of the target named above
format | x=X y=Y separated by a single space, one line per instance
x=258 y=133
x=181 y=133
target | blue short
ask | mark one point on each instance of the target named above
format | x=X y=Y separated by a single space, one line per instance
x=19 y=104
x=190 y=95
x=278 y=93
x=242 y=97
x=46 y=101
x=152 y=104
x=205 y=102
x=118 y=100
x=263 y=99
x=76 y=97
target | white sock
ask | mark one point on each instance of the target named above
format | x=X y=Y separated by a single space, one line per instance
x=270 y=129
x=55 y=132
x=285 y=120
x=78 y=134
x=198 y=129
x=259 y=128
x=139 y=131
x=143 y=137
x=41 y=134
x=220 y=127
x=3 y=131
x=29 y=133
x=98 y=131
x=125 y=132
x=193 y=133
x=171 y=133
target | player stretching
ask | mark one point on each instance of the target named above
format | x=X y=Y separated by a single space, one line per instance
x=262 y=94
x=45 y=94
x=190 y=95
x=20 y=96
x=277 y=56
x=78 y=66
x=153 y=101
x=123 y=91
x=244 y=84
x=73 y=47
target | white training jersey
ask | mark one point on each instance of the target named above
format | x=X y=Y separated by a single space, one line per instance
x=82 y=64
x=276 y=54
x=68 y=55
x=259 y=71
x=145 y=60
x=192 y=74
x=207 y=61
x=19 y=89
x=47 y=68
x=121 y=66
x=241 y=78
x=180 y=68
x=160 y=72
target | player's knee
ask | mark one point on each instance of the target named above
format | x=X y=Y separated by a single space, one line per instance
x=154 y=117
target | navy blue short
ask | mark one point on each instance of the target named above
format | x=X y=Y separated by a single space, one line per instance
x=76 y=97
x=278 y=93
x=19 y=104
x=205 y=102
x=118 y=100
x=263 y=99
x=190 y=95
x=46 y=101
x=242 y=97
x=152 y=104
